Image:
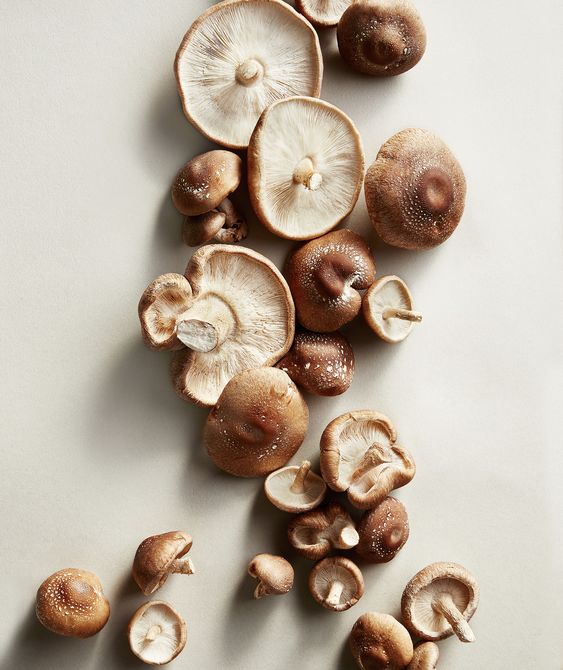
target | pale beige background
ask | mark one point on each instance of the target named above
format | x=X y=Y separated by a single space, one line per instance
x=97 y=452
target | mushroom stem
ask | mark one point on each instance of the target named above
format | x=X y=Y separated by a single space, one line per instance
x=261 y=590
x=153 y=632
x=198 y=335
x=183 y=567
x=375 y=455
x=347 y=538
x=333 y=597
x=399 y=313
x=249 y=72
x=305 y=174
x=298 y=485
x=445 y=605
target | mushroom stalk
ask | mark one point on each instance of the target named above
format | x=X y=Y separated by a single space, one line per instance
x=375 y=455
x=261 y=590
x=445 y=605
x=399 y=313
x=298 y=485
x=183 y=567
x=347 y=538
x=153 y=632
x=205 y=327
x=305 y=174
x=333 y=597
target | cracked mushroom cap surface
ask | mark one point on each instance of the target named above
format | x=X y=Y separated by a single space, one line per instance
x=295 y=488
x=325 y=275
x=383 y=531
x=157 y=633
x=359 y=455
x=336 y=583
x=71 y=602
x=323 y=13
x=241 y=316
x=274 y=574
x=425 y=657
x=379 y=642
x=239 y=57
x=258 y=423
x=415 y=190
x=305 y=167
x=388 y=309
x=155 y=557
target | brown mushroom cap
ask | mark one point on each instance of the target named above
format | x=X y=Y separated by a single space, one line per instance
x=381 y=37
x=388 y=309
x=425 y=657
x=439 y=601
x=359 y=455
x=316 y=533
x=380 y=642
x=322 y=13
x=325 y=275
x=383 y=531
x=157 y=633
x=295 y=488
x=258 y=423
x=158 y=556
x=415 y=190
x=274 y=574
x=320 y=363
x=200 y=229
x=336 y=583
x=71 y=602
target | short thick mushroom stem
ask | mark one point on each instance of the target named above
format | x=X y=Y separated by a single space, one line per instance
x=249 y=72
x=153 y=632
x=333 y=597
x=347 y=538
x=207 y=333
x=298 y=485
x=399 y=313
x=374 y=456
x=261 y=590
x=305 y=174
x=445 y=605
x=183 y=566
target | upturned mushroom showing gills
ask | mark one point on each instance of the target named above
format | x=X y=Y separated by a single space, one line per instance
x=71 y=602
x=383 y=531
x=381 y=37
x=295 y=488
x=158 y=556
x=238 y=58
x=273 y=573
x=258 y=423
x=388 y=309
x=425 y=657
x=439 y=601
x=380 y=642
x=325 y=276
x=322 y=13
x=305 y=167
x=157 y=633
x=359 y=454
x=415 y=190
x=336 y=583
x=316 y=533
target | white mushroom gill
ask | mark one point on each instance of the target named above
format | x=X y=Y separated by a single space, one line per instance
x=427 y=615
x=355 y=440
x=336 y=584
x=325 y=12
x=391 y=309
x=156 y=634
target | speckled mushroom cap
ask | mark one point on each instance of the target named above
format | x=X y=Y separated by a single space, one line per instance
x=322 y=13
x=388 y=309
x=238 y=58
x=274 y=574
x=380 y=642
x=336 y=583
x=383 y=531
x=71 y=602
x=295 y=488
x=381 y=37
x=425 y=657
x=415 y=190
x=258 y=423
x=359 y=455
x=157 y=633
x=159 y=555
x=439 y=601
x=325 y=275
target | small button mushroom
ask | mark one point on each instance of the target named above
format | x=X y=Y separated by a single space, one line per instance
x=295 y=488
x=316 y=533
x=380 y=642
x=157 y=633
x=359 y=455
x=425 y=657
x=381 y=37
x=322 y=13
x=388 y=309
x=325 y=276
x=71 y=602
x=439 y=601
x=320 y=363
x=274 y=574
x=336 y=583
x=383 y=531
x=259 y=422
x=159 y=556
x=415 y=190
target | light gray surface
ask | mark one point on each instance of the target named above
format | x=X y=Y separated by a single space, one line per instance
x=97 y=452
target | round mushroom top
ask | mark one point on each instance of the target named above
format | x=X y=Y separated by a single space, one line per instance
x=323 y=13
x=336 y=583
x=239 y=57
x=154 y=558
x=383 y=531
x=157 y=633
x=425 y=657
x=415 y=190
x=71 y=602
x=387 y=307
x=380 y=642
x=295 y=488
x=305 y=167
x=274 y=572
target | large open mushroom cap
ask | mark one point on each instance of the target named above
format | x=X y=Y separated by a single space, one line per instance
x=323 y=13
x=425 y=657
x=383 y=531
x=157 y=556
x=380 y=642
x=439 y=601
x=336 y=583
x=238 y=58
x=295 y=488
x=274 y=574
x=241 y=317
x=157 y=633
x=359 y=455
x=388 y=309
x=305 y=167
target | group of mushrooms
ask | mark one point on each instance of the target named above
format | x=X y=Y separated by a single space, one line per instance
x=249 y=75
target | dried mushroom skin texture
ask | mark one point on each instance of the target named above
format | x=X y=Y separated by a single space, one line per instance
x=157 y=633
x=160 y=555
x=380 y=642
x=383 y=531
x=295 y=488
x=359 y=455
x=388 y=309
x=238 y=58
x=323 y=13
x=274 y=575
x=316 y=533
x=305 y=167
x=336 y=583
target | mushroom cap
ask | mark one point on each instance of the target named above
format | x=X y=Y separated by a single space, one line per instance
x=205 y=181
x=71 y=602
x=381 y=37
x=314 y=534
x=383 y=531
x=415 y=190
x=320 y=363
x=239 y=57
x=358 y=438
x=275 y=573
x=247 y=290
x=336 y=569
x=278 y=488
x=305 y=167
x=425 y=657
x=322 y=13
x=258 y=423
x=325 y=275
x=154 y=557
x=435 y=579
x=380 y=642
x=385 y=292
x=200 y=229
x=167 y=636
